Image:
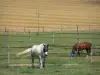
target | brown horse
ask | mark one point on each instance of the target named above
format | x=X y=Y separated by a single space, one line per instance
x=81 y=46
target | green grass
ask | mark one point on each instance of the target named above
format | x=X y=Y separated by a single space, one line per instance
x=58 y=61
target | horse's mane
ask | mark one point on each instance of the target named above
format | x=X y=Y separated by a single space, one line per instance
x=43 y=43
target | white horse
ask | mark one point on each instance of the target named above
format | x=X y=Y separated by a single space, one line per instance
x=39 y=50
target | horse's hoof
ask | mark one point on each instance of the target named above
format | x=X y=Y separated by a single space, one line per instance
x=41 y=68
x=86 y=57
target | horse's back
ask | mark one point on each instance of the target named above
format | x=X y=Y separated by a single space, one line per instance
x=37 y=49
x=87 y=44
x=82 y=45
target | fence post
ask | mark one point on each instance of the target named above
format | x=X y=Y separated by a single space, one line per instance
x=29 y=35
x=8 y=57
x=91 y=53
x=77 y=39
x=53 y=37
x=38 y=16
x=78 y=32
x=38 y=22
x=6 y=34
x=5 y=31
x=43 y=28
x=37 y=33
x=61 y=29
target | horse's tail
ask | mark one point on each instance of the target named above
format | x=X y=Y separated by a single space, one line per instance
x=24 y=52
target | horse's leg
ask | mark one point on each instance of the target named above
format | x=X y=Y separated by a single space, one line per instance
x=44 y=61
x=78 y=53
x=40 y=61
x=32 y=55
x=87 y=53
x=87 y=56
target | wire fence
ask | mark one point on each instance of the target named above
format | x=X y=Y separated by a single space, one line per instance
x=62 y=28
x=62 y=40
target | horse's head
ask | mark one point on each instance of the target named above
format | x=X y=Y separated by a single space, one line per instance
x=45 y=49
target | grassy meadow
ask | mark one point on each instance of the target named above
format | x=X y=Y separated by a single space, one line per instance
x=58 y=61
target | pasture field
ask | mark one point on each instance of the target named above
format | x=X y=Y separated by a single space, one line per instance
x=58 y=61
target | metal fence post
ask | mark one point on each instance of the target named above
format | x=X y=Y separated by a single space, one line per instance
x=91 y=53
x=8 y=57
x=43 y=28
x=53 y=37
x=5 y=32
x=29 y=35
x=78 y=32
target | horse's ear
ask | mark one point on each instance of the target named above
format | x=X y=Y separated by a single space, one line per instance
x=43 y=44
